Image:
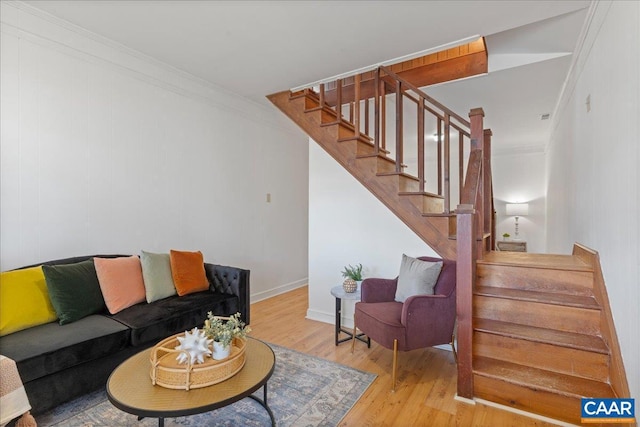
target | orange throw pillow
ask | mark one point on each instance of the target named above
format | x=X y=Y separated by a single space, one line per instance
x=120 y=281
x=187 y=269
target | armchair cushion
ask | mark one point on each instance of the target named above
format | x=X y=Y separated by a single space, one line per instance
x=417 y=277
x=382 y=322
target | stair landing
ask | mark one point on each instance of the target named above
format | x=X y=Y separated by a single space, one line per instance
x=532 y=260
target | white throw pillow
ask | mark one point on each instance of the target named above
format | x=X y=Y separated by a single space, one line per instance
x=416 y=277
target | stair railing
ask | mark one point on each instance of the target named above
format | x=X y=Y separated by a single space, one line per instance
x=381 y=93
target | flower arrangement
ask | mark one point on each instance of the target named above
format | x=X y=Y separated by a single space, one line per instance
x=352 y=272
x=224 y=330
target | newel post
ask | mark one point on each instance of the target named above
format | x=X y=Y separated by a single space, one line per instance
x=465 y=277
x=476 y=116
x=488 y=226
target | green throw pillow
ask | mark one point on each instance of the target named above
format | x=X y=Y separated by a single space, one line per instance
x=417 y=277
x=74 y=290
x=156 y=271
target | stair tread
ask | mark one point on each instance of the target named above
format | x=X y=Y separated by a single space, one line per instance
x=526 y=259
x=539 y=296
x=554 y=382
x=542 y=335
x=420 y=193
x=397 y=173
x=362 y=137
x=381 y=153
x=450 y=214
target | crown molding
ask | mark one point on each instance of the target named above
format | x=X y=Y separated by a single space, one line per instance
x=37 y=26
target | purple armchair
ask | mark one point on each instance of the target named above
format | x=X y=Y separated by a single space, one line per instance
x=421 y=321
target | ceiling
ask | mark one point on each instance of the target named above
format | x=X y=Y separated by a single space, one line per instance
x=255 y=48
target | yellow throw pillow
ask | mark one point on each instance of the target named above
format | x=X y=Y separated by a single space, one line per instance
x=24 y=300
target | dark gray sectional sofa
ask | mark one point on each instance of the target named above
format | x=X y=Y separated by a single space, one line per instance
x=58 y=363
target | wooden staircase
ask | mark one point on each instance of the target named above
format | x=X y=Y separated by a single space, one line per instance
x=428 y=214
x=535 y=332
x=537 y=340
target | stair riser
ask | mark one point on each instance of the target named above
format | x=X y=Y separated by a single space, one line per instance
x=536 y=279
x=558 y=406
x=328 y=117
x=403 y=183
x=581 y=363
x=310 y=104
x=570 y=319
x=385 y=166
x=427 y=204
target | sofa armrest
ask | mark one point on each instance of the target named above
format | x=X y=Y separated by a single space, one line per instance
x=231 y=280
x=378 y=290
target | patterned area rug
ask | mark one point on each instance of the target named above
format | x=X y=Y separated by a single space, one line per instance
x=303 y=391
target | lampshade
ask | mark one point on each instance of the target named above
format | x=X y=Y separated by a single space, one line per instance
x=517 y=209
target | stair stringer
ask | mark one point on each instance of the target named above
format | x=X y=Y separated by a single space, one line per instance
x=434 y=231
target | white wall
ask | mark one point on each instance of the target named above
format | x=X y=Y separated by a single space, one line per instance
x=519 y=177
x=592 y=172
x=104 y=150
x=349 y=225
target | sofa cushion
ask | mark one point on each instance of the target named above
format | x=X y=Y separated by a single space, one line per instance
x=156 y=270
x=187 y=269
x=74 y=290
x=45 y=349
x=24 y=300
x=120 y=282
x=160 y=319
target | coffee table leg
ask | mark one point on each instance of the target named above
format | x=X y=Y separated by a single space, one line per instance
x=160 y=421
x=264 y=405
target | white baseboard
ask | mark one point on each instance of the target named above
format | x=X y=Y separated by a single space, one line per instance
x=523 y=413
x=325 y=316
x=259 y=296
x=464 y=400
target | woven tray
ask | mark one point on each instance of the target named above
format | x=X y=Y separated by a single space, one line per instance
x=167 y=372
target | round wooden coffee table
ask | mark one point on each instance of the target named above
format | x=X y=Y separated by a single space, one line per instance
x=129 y=387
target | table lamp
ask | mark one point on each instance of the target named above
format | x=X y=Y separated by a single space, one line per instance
x=517 y=210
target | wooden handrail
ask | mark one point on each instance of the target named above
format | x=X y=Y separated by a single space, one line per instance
x=472 y=181
x=408 y=85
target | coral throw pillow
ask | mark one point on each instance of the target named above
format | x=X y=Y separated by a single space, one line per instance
x=120 y=282
x=24 y=300
x=188 y=272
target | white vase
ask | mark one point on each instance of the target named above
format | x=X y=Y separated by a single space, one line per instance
x=220 y=351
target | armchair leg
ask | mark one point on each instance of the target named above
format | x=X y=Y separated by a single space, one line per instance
x=453 y=348
x=395 y=365
x=353 y=337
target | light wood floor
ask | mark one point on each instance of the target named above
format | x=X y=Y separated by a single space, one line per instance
x=426 y=378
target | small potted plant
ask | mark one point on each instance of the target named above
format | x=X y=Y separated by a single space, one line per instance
x=223 y=330
x=506 y=236
x=352 y=276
